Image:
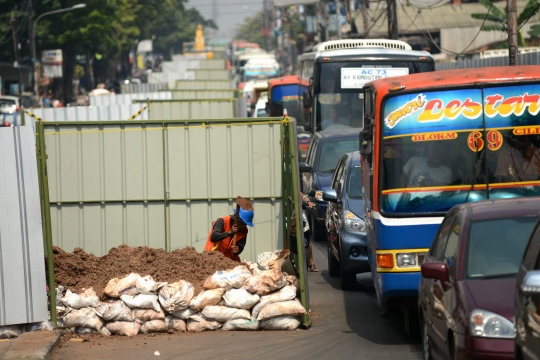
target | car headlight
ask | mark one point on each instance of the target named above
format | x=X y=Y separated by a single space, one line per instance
x=353 y=222
x=487 y=324
x=406 y=260
x=318 y=195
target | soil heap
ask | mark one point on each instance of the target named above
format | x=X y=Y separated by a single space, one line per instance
x=78 y=270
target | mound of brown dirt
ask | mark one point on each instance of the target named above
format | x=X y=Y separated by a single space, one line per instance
x=78 y=270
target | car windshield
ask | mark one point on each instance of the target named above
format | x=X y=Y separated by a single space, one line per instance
x=496 y=246
x=354 y=187
x=340 y=110
x=7 y=103
x=331 y=152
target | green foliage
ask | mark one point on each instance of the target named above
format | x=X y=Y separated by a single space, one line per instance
x=499 y=20
x=534 y=32
x=110 y=27
x=251 y=29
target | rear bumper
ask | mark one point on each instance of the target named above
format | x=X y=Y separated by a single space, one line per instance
x=403 y=284
x=350 y=240
x=482 y=348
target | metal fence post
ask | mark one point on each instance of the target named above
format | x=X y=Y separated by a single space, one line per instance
x=165 y=189
x=46 y=215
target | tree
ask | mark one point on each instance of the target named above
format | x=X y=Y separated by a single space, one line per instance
x=251 y=29
x=499 y=18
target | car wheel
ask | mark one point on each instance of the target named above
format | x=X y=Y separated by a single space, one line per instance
x=426 y=346
x=333 y=264
x=347 y=281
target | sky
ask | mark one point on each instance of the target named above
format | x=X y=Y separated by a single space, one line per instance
x=230 y=13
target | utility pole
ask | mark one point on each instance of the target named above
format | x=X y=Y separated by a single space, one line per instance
x=17 y=62
x=391 y=13
x=266 y=24
x=512 y=33
x=338 y=16
x=32 y=46
x=365 y=17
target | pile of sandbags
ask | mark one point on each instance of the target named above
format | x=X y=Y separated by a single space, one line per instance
x=248 y=297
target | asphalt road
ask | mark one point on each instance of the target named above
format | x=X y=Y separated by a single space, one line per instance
x=346 y=325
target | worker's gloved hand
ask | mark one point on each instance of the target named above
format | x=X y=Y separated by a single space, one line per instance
x=234 y=229
x=235 y=249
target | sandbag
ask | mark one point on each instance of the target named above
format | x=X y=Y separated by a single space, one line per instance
x=184 y=314
x=104 y=331
x=144 y=315
x=265 y=257
x=176 y=296
x=85 y=317
x=241 y=324
x=266 y=282
x=291 y=307
x=292 y=280
x=125 y=328
x=285 y=294
x=207 y=298
x=87 y=299
x=141 y=301
x=85 y=330
x=240 y=298
x=154 y=326
x=175 y=324
x=115 y=311
x=277 y=263
x=198 y=323
x=281 y=323
x=228 y=279
x=132 y=284
x=224 y=313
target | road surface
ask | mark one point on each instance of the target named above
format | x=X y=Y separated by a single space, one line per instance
x=346 y=325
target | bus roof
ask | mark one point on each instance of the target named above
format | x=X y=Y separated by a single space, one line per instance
x=361 y=43
x=367 y=53
x=463 y=77
x=284 y=80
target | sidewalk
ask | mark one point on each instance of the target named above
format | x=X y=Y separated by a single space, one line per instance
x=30 y=345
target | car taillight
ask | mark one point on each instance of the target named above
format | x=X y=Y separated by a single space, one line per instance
x=7 y=124
x=16 y=108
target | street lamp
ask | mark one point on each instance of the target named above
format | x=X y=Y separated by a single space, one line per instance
x=74 y=7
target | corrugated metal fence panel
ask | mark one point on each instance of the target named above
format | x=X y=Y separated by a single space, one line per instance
x=107 y=188
x=203 y=94
x=172 y=110
x=23 y=298
x=180 y=66
x=525 y=59
x=212 y=74
x=170 y=78
x=181 y=57
x=212 y=64
x=204 y=85
x=132 y=88
x=127 y=99
x=89 y=113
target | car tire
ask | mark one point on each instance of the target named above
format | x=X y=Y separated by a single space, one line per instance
x=347 y=281
x=333 y=264
x=426 y=346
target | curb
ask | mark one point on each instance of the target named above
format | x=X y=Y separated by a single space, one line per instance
x=30 y=346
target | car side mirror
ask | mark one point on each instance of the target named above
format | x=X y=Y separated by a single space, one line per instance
x=531 y=283
x=330 y=195
x=304 y=167
x=366 y=145
x=306 y=100
x=436 y=270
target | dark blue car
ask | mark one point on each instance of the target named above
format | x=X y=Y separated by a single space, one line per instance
x=345 y=226
x=325 y=149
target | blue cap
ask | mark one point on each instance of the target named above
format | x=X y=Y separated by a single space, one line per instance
x=246 y=216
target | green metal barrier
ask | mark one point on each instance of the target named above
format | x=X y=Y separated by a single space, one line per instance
x=290 y=191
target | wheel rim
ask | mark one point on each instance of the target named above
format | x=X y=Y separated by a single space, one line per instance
x=425 y=343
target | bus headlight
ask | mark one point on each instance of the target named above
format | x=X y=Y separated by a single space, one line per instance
x=406 y=260
x=353 y=222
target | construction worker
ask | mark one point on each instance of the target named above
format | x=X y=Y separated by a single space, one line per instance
x=220 y=237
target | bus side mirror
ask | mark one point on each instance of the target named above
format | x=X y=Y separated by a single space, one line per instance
x=366 y=145
x=306 y=100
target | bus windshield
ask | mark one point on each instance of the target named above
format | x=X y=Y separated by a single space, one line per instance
x=444 y=148
x=339 y=95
